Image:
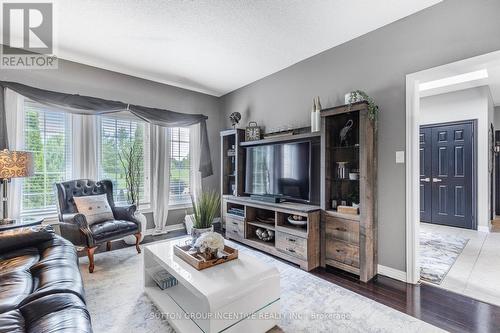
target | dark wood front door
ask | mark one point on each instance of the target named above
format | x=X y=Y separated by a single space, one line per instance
x=446 y=174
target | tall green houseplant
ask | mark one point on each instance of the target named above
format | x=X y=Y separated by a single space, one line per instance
x=205 y=209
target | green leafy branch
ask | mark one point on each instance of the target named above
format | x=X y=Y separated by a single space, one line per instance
x=357 y=95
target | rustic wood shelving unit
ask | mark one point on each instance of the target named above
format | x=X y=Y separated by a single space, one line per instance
x=349 y=242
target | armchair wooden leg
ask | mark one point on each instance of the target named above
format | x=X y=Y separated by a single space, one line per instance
x=108 y=246
x=90 y=254
x=137 y=240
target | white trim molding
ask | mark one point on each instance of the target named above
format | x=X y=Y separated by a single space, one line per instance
x=392 y=273
x=412 y=179
x=413 y=152
x=483 y=228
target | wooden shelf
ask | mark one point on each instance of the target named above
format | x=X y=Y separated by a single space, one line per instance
x=262 y=225
x=334 y=213
x=261 y=242
x=296 y=231
x=284 y=138
x=346 y=147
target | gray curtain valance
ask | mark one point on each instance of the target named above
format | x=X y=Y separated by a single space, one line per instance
x=97 y=106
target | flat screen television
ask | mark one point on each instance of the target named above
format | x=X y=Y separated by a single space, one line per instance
x=282 y=169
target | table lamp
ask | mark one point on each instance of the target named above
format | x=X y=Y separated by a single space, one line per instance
x=13 y=164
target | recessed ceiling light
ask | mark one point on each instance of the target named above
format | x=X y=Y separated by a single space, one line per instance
x=451 y=80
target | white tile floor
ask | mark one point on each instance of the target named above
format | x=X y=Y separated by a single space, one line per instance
x=476 y=273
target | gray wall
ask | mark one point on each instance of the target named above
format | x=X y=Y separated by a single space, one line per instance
x=376 y=62
x=80 y=79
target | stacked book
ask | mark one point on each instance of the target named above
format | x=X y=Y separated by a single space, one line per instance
x=236 y=211
x=163 y=278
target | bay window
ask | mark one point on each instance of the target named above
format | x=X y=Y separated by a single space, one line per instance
x=48 y=134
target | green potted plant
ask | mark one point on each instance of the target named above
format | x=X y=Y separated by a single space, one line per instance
x=359 y=96
x=131 y=159
x=205 y=209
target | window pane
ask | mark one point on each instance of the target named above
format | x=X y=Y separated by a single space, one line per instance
x=179 y=166
x=118 y=137
x=47 y=135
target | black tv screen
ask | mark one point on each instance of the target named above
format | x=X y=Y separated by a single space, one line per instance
x=279 y=169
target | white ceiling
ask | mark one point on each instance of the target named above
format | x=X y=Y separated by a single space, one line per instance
x=214 y=46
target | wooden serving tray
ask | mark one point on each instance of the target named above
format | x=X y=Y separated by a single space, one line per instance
x=199 y=262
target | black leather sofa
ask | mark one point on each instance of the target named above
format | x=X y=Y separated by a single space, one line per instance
x=41 y=289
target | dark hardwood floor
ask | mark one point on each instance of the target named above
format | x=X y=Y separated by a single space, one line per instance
x=439 y=307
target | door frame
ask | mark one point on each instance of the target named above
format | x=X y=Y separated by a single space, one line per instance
x=412 y=146
x=472 y=122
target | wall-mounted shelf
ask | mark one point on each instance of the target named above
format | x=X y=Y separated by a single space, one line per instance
x=283 y=138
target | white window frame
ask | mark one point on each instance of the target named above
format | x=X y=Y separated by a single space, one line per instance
x=186 y=203
x=48 y=210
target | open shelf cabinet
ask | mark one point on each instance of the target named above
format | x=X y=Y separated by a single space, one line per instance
x=299 y=245
x=349 y=154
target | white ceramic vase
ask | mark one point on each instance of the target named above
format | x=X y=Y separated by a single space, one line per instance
x=196 y=233
x=130 y=240
x=315 y=121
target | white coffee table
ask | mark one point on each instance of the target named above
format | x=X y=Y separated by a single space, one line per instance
x=241 y=296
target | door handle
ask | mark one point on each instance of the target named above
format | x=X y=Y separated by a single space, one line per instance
x=436 y=180
x=426 y=180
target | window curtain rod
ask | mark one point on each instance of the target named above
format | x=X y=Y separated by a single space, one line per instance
x=87 y=105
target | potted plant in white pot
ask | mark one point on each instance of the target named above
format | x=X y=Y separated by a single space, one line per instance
x=131 y=159
x=205 y=209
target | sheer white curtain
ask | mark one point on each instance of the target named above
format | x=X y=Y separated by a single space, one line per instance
x=195 y=151
x=14 y=114
x=86 y=134
x=160 y=175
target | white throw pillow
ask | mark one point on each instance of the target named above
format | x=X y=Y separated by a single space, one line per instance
x=96 y=208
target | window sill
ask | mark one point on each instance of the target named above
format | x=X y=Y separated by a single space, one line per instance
x=180 y=206
x=52 y=218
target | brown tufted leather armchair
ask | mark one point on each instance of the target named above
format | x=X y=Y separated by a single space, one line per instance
x=74 y=226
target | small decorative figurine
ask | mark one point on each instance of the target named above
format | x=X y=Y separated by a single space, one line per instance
x=235 y=118
x=344 y=131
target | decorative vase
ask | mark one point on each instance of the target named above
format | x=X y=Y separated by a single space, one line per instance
x=315 y=115
x=315 y=121
x=196 y=233
x=130 y=240
x=356 y=97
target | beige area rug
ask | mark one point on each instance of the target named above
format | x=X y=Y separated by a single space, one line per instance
x=117 y=304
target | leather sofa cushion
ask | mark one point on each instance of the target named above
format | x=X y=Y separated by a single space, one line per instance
x=21 y=259
x=12 y=322
x=14 y=288
x=109 y=229
x=56 y=313
x=57 y=271
x=24 y=237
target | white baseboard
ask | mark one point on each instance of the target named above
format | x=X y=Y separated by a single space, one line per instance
x=483 y=228
x=392 y=273
x=168 y=228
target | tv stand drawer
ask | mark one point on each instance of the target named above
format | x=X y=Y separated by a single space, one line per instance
x=292 y=245
x=235 y=228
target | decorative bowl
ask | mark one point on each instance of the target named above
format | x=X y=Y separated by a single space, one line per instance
x=298 y=221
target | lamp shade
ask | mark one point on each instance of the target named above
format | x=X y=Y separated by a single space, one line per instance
x=15 y=164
